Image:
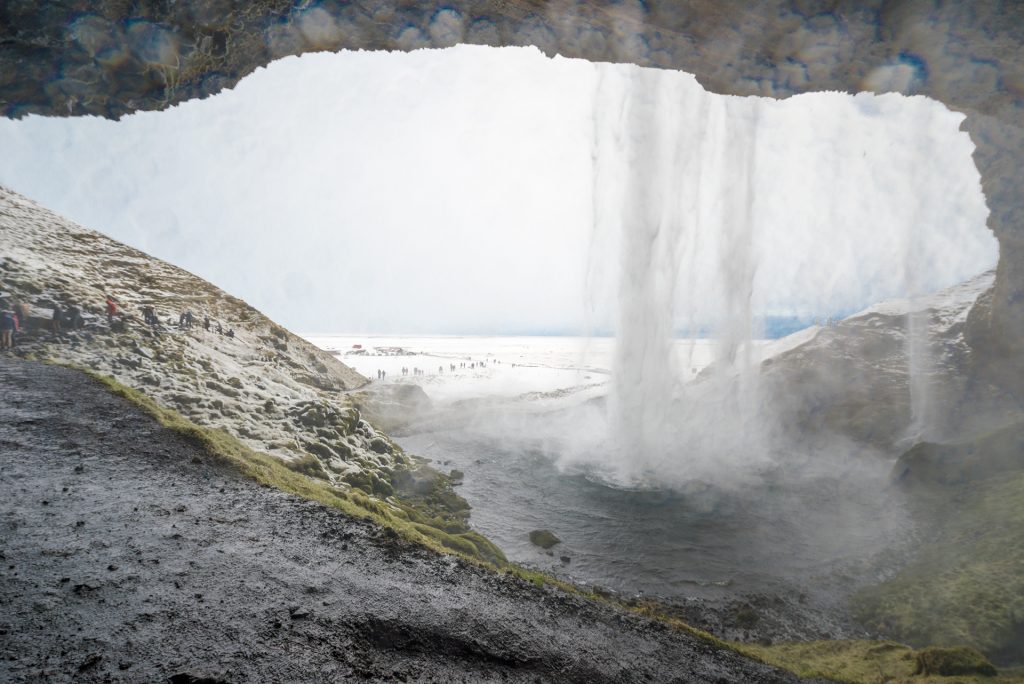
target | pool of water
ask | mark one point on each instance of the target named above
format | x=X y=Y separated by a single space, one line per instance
x=523 y=419
x=786 y=531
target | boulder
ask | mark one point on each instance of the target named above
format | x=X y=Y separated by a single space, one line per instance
x=953 y=661
x=545 y=539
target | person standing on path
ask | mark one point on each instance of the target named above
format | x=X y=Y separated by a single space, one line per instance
x=22 y=313
x=8 y=324
x=55 y=321
x=111 y=310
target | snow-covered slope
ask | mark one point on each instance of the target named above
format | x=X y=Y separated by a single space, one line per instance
x=867 y=379
x=271 y=389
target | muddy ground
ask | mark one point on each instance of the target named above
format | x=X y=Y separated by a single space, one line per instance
x=127 y=555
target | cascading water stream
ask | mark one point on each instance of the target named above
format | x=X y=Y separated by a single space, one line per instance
x=674 y=174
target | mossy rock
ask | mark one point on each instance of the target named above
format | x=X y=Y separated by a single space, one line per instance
x=953 y=661
x=235 y=382
x=486 y=549
x=456 y=475
x=320 y=449
x=545 y=539
x=342 y=449
x=226 y=391
x=313 y=418
x=359 y=480
x=449 y=541
x=349 y=419
x=326 y=434
x=380 y=446
x=380 y=487
x=966 y=585
x=468 y=543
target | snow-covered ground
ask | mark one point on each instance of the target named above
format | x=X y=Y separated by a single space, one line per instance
x=512 y=367
x=947 y=307
x=500 y=367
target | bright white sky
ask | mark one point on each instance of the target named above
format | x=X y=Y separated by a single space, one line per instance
x=451 y=191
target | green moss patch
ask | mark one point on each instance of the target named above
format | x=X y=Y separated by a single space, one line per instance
x=308 y=465
x=966 y=586
x=958 y=660
x=877 y=662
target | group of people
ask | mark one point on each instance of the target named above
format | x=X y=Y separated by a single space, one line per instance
x=69 y=316
x=186 y=319
x=15 y=318
x=406 y=371
x=381 y=374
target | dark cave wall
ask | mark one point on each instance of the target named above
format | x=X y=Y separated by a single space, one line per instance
x=112 y=57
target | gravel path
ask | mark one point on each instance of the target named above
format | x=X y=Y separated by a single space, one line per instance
x=127 y=555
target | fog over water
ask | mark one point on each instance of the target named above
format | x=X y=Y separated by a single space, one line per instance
x=527 y=426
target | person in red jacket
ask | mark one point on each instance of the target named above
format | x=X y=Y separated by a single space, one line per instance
x=111 y=310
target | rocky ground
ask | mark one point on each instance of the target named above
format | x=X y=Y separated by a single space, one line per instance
x=128 y=554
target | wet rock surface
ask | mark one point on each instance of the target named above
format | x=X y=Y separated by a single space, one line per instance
x=853 y=378
x=129 y=555
x=111 y=58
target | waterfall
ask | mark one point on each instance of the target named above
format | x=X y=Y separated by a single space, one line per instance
x=918 y=342
x=673 y=177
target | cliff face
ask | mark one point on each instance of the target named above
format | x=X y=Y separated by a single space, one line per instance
x=895 y=373
x=272 y=390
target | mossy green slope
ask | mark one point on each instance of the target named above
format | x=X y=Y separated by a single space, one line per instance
x=864 y=662
x=301 y=478
x=966 y=586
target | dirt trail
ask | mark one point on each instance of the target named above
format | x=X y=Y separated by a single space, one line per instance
x=127 y=555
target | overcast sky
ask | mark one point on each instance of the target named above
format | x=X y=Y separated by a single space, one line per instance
x=448 y=191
